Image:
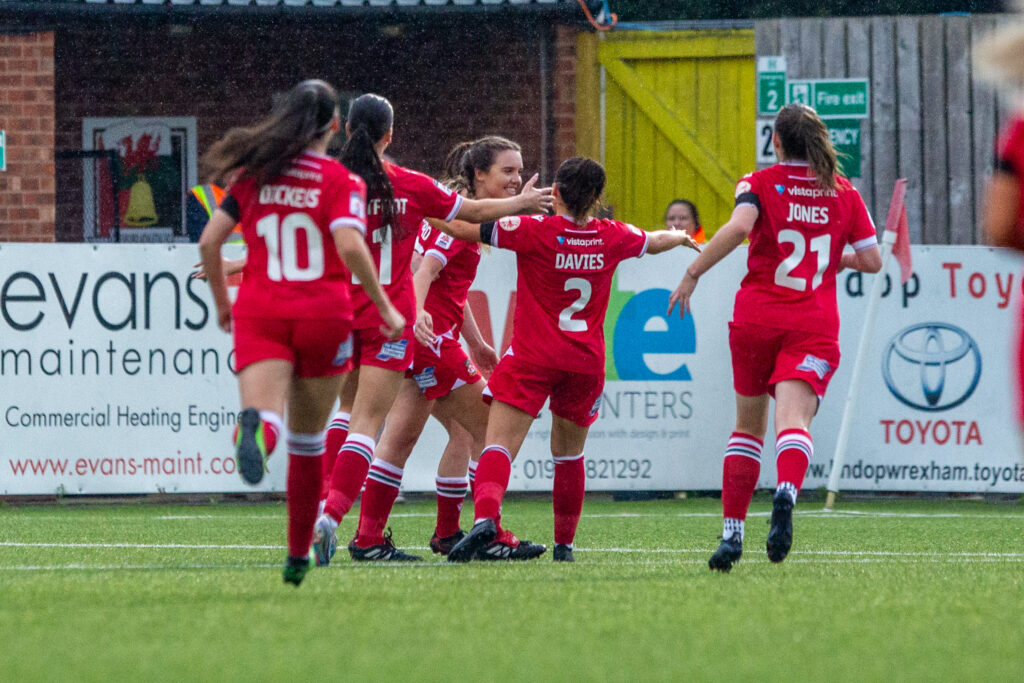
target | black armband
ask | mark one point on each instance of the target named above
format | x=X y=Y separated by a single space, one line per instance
x=229 y=205
x=486 y=231
x=748 y=198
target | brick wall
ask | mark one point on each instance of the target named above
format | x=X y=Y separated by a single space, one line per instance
x=565 y=92
x=449 y=81
x=27 y=115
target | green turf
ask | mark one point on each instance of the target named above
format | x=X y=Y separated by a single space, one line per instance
x=878 y=591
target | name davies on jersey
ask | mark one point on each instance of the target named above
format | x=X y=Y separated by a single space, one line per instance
x=808 y=214
x=286 y=195
x=579 y=261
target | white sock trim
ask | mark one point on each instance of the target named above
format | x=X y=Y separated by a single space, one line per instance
x=566 y=458
x=496 y=447
x=385 y=466
x=272 y=418
x=311 y=445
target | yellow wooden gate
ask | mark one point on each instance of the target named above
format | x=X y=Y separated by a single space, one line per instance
x=670 y=115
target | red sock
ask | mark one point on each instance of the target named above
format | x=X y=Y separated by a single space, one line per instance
x=451 y=492
x=492 y=475
x=739 y=474
x=337 y=431
x=349 y=474
x=793 y=452
x=304 y=451
x=382 y=485
x=567 y=496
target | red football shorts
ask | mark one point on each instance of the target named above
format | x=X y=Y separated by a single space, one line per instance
x=764 y=356
x=574 y=396
x=316 y=347
x=439 y=374
x=373 y=348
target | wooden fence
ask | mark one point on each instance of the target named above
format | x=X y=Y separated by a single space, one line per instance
x=930 y=120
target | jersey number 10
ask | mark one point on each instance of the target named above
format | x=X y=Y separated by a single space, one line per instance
x=282 y=239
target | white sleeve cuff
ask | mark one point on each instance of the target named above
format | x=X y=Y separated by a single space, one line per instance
x=438 y=255
x=455 y=209
x=349 y=223
x=865 y=243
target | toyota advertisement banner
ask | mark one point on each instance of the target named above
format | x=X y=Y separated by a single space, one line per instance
x=115 y=379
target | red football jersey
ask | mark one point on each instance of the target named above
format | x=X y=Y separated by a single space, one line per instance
x=416 y=197
x=1010 y=157
x=446 y=299
x=292 y=267
x=564 y=280
x=795 y=248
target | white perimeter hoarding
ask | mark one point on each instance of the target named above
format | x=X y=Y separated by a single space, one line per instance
x=114 y=378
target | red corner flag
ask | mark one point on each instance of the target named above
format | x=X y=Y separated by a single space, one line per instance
x=897 y=223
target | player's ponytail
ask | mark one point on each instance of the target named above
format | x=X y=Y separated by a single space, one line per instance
x=263 y=151
x=580 y=183
x=452 y=175
x=804 y=137
x=370 y=118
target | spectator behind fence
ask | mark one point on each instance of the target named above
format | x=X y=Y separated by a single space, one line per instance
x=199 y=206
x=999 y=60
x=682 y=214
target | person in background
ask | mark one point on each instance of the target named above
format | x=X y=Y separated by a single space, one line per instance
x=682 y=214
x=200 y=204
x=1000 y=60
x=784 y=335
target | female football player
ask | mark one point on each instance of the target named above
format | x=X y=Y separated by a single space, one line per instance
x=292 y=320
x=799 y=216
x=398 y=200
x=565 y=265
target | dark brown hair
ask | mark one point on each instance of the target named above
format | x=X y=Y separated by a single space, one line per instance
x=804 y=137
x=687 y=203
x=580 y=183
x=370 y=117
x=263 y=151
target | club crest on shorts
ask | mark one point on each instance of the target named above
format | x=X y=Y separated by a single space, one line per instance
x=470 y=368
x=426 y=379
x=816 y=365
x=509 y=223
x=344 y=352
x=393 y=350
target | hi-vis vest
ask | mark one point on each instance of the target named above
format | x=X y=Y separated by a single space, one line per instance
x=210 y=196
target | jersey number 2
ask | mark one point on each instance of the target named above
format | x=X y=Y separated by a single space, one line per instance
x=820 y=246
x=282 y=239
x=565 y=319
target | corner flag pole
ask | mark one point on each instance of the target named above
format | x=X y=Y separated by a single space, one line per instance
x=866 y=332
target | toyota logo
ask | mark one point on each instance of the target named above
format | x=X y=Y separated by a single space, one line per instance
x=932 y=366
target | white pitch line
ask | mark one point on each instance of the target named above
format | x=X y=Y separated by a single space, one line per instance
x=141 y=546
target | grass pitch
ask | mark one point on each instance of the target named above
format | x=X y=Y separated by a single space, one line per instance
x=875 y=591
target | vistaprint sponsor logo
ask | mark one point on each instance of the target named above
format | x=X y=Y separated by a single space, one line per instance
x=580 y=242
x=811 y=192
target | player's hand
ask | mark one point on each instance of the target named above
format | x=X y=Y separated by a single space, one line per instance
x=682 y=295
x=691 y=243
x=541 y=199
x=394 y=323
x=424 y=329
x=224 y=318
x=200 y=273
x=484 y=358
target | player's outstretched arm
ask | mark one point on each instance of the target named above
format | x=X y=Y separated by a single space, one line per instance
x=866 y=260
x=730 y=236
x=663 y=240
x=353 y=251
x=1002 y=207
x=532 y=199
x=458 y=229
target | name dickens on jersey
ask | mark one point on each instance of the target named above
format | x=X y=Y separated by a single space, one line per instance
x=286 y=195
